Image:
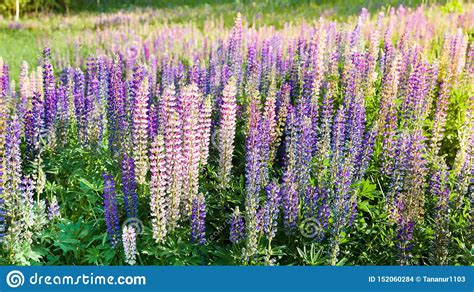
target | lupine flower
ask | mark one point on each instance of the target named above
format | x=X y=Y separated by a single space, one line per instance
x=50 y=97
x=102 y=91
x=13 y=163
x=62 y=114
x=198 y=220
x=90 y=110
x=2 y=219
x=237 y=226
x=140 y=124
x=205 y=124
x=440 y=117
x=235 y=51
x=24 y=90
x=129 y=187
x=290 y=196
x=283 y=102
x=111 y=210
x=227 y=126
x=3 y=126
x=464 y=162
x=34 y=124
x=269 y=126
x=271 y=210
x=159 y=203
x=172 y=130
x=116 y=104
x=407 y=185
x=441 y=193
x=79 y=104
x=26 y=218
x=324 y=135
x=253 y=174
x=190 y=98
x=129 y=239
x=53 y=209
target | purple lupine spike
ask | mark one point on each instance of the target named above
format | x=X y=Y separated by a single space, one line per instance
x=3 y=125
x=271 y=210
x=129 y=187
x=290 y=198
x=253 y=165
x=204 y=81
x=53 y=209
x=265 y=68
x=68 y=83
x=49 y=87
x=407 y=188
x=5 y=80
x=92 y=104
x=179 y=75
x=12 y=175
x=153 y=74
x=307 y=87
x=294 y=80
x=365 y=154
x=193 y=74
x=237 y=227
x=12 y=160
x=439 y=186
x=414 y=92
x=253 y=174
x=305 y=149
x=234 y=59
x=62 y=113
x=198 y=217
x=259 y=216
x=405 y=236
x=24 y=90
x=34 y=124
x=102 y=91
x=79 y=102
x=2 y=218
x=338 y=135
x=316 y=209
x=111 y=210
x=252 y=69
x=116 y=106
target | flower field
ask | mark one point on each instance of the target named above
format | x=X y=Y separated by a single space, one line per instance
x=314 y=142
